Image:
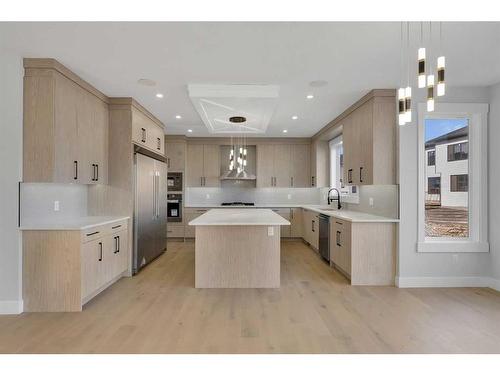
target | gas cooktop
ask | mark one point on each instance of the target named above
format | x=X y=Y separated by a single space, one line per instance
x=237 y=204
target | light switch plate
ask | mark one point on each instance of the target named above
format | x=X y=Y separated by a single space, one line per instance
x=289 y=196
x=371 y=202
x=56 y=205
x=270 y=231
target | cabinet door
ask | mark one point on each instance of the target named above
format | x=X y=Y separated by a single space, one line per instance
x=189 y=230
x=86 y=130
x=176 y=156
x=284 y=229
x=93 y=266
x=315 y=231
x=265 y=165
x=118 y=254
x=296 y=222
x=194 y=166
x=66 y=133
x=364 y=171
x=211 y=166
x=97 y=144
x=350 y=147
x=157 y=139
x=282 y=176
x=141 y=134
x=306 y=225
x=300 y=165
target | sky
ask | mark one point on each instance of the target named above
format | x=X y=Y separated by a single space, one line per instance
x=436 y=127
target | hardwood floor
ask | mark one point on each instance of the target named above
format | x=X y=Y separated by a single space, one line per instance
x=314 y=311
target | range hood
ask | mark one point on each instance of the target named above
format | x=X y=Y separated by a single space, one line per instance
x=247 y=174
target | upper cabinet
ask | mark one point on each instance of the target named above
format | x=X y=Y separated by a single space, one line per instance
x=320 y=162
x=147 y=132
x=203 y=165
x=176 y=155
x=369 y=140
x=65 y=131
x=283 y=165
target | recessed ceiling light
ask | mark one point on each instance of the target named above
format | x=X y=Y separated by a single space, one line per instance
x=318 y=83
x=285 y=131
x=310 y=96
x=295 y=117
x=190 y=130
x=159 y=95
x=178 y=117
x=146 y=82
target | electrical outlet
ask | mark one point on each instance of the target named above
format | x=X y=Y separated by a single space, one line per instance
x=270 y=231
x=208 y=196
x=289 y=196
x=371 y=201
x=56 y=205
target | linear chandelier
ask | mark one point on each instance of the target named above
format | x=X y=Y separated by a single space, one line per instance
x=424 y=80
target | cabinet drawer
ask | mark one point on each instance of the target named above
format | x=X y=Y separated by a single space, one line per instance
x=94 y=233
x=174 y=231
x=117 y=227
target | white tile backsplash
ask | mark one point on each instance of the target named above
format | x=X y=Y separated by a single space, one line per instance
x=37 y=200
x=279 y=196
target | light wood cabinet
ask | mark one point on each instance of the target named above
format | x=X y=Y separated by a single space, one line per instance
x=175 y=230
x=369 y=136
x=284 y=229
x=176 y=156
x=191 y=214
x=283 y=165
x=296 y=222
x=364 y=252
x=203 y=165
x=64 y=269
x=147 y=133
x=310 y=228
x=300 y=164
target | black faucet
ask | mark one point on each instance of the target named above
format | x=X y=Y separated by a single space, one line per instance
x=339 y=206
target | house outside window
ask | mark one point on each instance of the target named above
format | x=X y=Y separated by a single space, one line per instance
x=458 y=151
x=431 y=157
x=459 y=183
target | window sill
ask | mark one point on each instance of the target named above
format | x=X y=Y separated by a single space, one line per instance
x=453 y=247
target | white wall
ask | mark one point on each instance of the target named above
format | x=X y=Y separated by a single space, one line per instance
x=11 y=101
x=494 y=182
x=446 y=269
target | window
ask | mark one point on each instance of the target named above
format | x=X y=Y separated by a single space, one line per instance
x=452 y=178
x=349 y=193
x=458 y=151
x=434 y=185
x=431 y=157
x=459 y=183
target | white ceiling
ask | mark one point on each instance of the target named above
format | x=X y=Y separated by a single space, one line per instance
x=352 y=57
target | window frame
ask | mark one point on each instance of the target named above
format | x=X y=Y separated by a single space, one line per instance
x=346 y=192
x=457 y=183
x=477 y=115
x=454 y=153
x=429 y=158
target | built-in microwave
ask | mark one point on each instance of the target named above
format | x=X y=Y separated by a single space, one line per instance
x=174 y=181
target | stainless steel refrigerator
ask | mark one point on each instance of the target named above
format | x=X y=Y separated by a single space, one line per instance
x=150 y=213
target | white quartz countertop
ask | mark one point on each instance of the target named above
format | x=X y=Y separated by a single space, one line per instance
x=72 y=223
x=259 y=205
x=349 y=215
x=239 y=216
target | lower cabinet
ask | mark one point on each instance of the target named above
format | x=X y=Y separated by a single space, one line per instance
x=296 y=222
x=175 y=230
x=285 y=214
x=364 y=252
x=310 y=228
x=64 y=269
x=191 y=214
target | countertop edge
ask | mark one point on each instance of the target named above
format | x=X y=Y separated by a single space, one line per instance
x=56 y=227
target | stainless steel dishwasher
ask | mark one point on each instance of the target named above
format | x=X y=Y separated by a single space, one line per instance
x=324 y=237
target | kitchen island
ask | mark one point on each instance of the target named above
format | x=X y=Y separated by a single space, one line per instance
x=238 y=248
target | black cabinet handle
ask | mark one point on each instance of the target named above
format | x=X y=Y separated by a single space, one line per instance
x=100 y=251
x=360 y=174
x=91 y=234
x=118 y=239
x=312 y=180
x=312 y=225
x=97 y=172
x=159 y=146
x=93 y=172
x=76 y=170
x=349 y=176
x=338 y=239
x=143 y=135
x=116 y=226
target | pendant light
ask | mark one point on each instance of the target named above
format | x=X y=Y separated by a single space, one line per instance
x=421 y=59
x=440 y=65
x=430 y=93
x=408 y=87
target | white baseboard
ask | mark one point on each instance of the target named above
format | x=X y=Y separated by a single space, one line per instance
x=11 y=307
x=447 y=282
